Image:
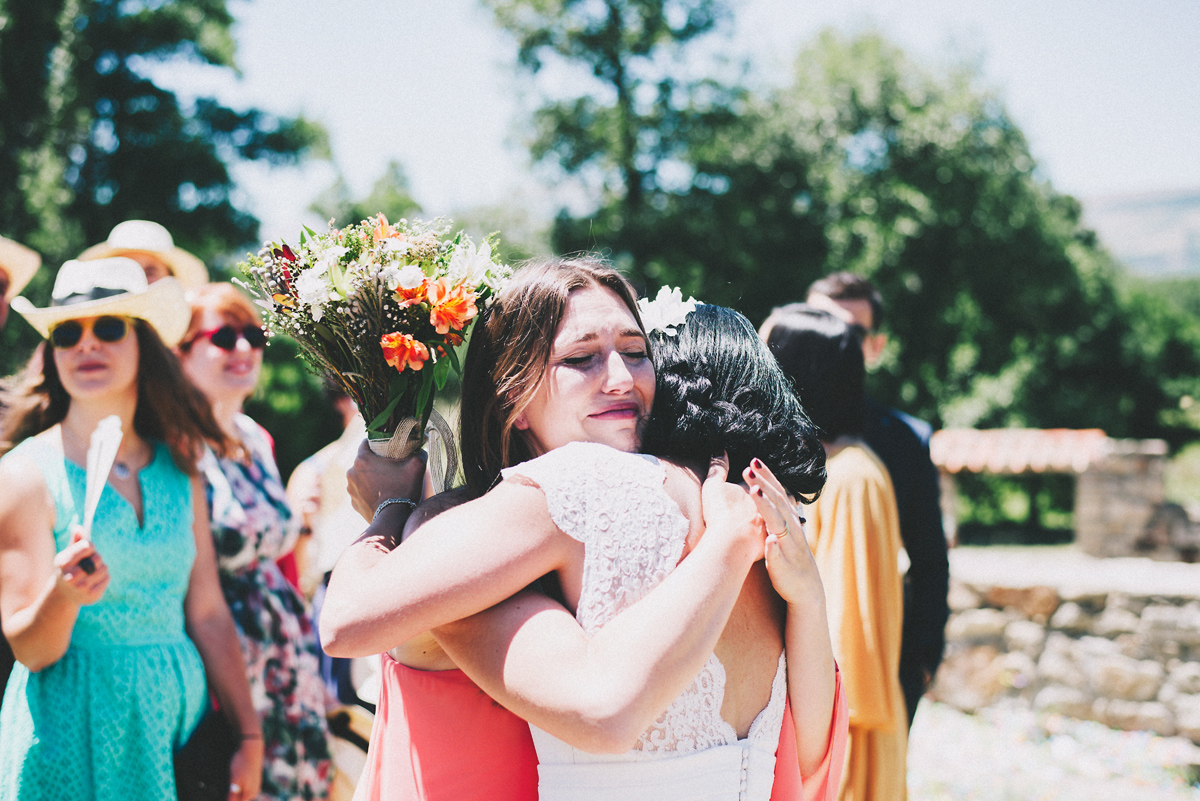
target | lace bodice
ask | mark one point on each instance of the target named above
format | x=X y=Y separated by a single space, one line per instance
x=633 y=533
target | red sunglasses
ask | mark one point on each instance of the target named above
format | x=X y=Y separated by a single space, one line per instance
x=226 y=337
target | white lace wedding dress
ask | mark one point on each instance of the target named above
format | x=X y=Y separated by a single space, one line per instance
x=633 y=533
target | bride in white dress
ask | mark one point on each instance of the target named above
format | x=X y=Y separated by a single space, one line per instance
x=602 y=689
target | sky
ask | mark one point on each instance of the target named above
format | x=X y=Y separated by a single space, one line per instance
x=1107 y=92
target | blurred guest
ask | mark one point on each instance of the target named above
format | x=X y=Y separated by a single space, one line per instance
x=17 y=265
x=855 y=537
x=115 y=631
x=902 y=442
x=252 y=526
x=317 y=491
x=150 y=245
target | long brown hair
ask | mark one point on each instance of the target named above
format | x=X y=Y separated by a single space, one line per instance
x=508 y=354
x=169 y=408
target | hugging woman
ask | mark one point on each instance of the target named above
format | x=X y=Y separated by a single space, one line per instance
x=645 y=672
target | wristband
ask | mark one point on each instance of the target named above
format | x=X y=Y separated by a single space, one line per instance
x=411 y=504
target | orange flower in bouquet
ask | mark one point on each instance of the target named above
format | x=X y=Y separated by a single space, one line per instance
x=402 y=351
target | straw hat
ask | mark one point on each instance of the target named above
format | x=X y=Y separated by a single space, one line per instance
x=115 y=286
x=20 y=263
x=143 y=236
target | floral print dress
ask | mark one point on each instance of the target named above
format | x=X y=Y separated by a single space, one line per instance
x=252 y=527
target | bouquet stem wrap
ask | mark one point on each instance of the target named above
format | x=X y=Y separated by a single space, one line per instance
x=439 y=438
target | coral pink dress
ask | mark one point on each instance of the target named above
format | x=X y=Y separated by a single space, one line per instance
x=438 y=737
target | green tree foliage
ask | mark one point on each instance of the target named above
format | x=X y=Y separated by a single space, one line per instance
x=625 y=134
x=87 y=139
x=391 y=196
x=1003 y=308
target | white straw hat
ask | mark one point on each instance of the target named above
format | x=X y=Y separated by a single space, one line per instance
x=115 y=286
x=20 y=263
x=143 y=236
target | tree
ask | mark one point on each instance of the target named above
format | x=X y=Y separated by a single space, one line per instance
x=1004 y=306
x=624 y=134
x=1004 y=309
x=87 y=139
x=391 y=196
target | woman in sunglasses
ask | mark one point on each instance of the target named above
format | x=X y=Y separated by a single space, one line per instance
x=117 y=632
x=252 y=527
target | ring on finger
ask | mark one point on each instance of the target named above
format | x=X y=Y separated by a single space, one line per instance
x=787 y=529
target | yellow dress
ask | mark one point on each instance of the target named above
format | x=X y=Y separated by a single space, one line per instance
x=854 y=532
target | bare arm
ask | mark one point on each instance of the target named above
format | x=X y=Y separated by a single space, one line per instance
x=211 y=629
x=460 y=563
x=811 y=670
x=41 y=591
x=600 y=692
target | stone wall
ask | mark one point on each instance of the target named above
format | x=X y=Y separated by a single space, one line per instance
x=1128 y=659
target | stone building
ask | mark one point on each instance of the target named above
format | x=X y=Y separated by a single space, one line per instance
x=1119 y=509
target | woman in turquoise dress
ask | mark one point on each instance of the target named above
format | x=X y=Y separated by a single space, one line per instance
x=252 y=527
x=118 y=634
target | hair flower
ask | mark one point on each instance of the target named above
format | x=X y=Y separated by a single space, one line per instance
x=667 y=312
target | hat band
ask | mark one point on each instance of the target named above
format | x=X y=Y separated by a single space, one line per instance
x=95 y=293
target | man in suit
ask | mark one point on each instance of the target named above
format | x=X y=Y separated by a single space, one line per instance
x=902 y=443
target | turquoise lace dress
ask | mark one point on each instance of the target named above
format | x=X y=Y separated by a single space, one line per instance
x=102 y=722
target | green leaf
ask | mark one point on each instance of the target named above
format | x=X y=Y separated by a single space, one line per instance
x=423 y=395
x=382 y=417
x=441 y=371
x=452 y=355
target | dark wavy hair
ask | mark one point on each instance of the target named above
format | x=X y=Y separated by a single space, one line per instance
x=721 y=391
x=169 y=409
x=822 y=355
x=507 y=356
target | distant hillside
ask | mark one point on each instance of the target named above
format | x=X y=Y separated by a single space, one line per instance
x=1154 y=235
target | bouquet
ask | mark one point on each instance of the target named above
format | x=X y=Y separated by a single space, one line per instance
x=379 y=311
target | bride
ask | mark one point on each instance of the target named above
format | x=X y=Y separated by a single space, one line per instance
x=609 y=525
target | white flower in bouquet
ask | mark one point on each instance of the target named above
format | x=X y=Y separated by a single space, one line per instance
x=472 y=264
x=402 y=276
x=312 y=289
x=667 y=311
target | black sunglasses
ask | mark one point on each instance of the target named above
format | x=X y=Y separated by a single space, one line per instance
x=226 y=337
x=106 y=329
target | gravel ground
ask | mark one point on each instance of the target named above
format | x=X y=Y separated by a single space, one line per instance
x=1011 y=754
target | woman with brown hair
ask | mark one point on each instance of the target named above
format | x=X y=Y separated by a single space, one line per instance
x=252 y=527
x=115 y=634
x=625 y=651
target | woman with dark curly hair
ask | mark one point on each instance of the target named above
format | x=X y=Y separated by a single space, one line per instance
x=646 y=670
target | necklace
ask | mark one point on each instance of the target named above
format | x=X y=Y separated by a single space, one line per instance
x=120 y=470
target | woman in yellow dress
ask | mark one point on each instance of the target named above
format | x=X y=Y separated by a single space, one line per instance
x=854 y=532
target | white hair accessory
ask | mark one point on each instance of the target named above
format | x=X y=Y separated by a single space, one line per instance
x=667 y=312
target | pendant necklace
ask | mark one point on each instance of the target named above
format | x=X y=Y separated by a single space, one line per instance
x=120 y=470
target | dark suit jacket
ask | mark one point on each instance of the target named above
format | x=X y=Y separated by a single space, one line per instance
x=902 y=443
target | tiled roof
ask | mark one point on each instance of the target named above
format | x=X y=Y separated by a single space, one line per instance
x=1018 y=450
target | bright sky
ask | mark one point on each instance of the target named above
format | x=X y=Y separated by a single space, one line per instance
x=1107 y=92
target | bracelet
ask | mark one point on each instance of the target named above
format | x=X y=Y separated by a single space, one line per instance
x=251 y=736
x=408 y=502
